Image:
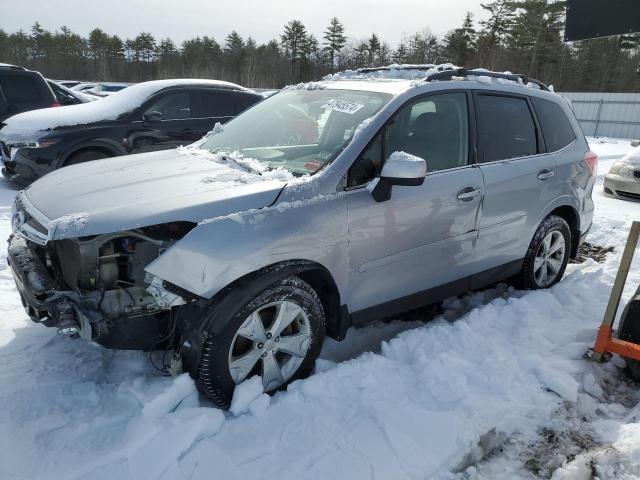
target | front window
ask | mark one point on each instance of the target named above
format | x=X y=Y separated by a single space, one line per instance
x=299 y=130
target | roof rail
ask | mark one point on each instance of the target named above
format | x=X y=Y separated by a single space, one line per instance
x=464 y=72
x=422 y=66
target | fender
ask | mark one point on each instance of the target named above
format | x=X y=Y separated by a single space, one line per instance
x=303 y=225
x=105 y=143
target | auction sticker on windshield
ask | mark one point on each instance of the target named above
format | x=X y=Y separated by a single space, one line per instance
x=343 y=106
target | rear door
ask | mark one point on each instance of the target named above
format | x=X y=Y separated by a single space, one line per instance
x=166 y=121
x=22 y=91
x=518 y=177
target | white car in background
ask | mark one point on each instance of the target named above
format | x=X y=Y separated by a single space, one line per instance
x=623 y=179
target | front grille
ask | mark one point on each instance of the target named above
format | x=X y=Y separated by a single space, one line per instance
x=29 y=219
x=636 y=173
x=635 y=196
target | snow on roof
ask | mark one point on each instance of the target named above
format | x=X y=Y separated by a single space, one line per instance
x=36 y=122
x=392 y=72
x=410 y=75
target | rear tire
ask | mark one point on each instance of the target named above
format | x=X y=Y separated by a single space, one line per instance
x=254 y=343
x=547 y=256
x=85 y=156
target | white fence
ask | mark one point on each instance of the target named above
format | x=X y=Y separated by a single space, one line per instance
x=607 y=114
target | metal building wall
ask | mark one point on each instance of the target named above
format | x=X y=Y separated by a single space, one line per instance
x=607 y=114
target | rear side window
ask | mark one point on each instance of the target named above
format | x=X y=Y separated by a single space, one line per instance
x=21 y=88
x=217 y=104
x=505 y=127
x=556 y=128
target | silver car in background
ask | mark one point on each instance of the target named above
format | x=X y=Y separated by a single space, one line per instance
x=623 y=179
x=324 y=206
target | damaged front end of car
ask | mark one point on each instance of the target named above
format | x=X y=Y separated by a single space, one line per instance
x=95 y=287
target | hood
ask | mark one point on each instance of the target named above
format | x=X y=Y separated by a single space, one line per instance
x=134 y=191
x=35 y=123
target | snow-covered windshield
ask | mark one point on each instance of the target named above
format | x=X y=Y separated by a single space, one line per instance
x=299 y=130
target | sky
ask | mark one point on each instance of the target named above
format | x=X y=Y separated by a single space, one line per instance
x=262 y=20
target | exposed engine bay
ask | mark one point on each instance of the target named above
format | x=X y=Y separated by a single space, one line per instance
x=96 y=287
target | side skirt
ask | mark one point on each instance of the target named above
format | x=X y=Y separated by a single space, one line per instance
x=436 y=294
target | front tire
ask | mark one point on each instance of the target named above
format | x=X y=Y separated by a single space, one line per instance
x=547 y=256
x=86 y=156
x=277 y=335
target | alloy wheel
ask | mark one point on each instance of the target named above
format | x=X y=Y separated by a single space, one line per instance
x=272 y=342
x=549 y=258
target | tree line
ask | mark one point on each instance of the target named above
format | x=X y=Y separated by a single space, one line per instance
x=523 y=36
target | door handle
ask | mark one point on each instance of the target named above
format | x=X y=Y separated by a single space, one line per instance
x=469 y=194
x=545 y=175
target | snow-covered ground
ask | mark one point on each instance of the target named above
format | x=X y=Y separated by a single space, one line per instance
x=495 y=387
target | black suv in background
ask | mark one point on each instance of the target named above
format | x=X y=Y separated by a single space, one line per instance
x=22 y=90
x=148 y=116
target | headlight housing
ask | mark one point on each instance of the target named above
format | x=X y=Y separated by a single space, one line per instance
x=621 y=168
x=40 y=143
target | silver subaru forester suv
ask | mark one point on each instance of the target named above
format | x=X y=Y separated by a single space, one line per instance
x=327 y=205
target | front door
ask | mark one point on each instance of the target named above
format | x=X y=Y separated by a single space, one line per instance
x=166 y=122
x=419 y=244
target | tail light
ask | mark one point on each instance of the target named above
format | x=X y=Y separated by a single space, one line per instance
x=591 y=159
x=55 y=104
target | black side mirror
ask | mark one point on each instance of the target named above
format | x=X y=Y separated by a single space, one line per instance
x=153 y=116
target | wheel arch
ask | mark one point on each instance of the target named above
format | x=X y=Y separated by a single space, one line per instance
x=224 y=304
x=315 y=274
x=567 y=208
x=107 y=146
x=570 y=215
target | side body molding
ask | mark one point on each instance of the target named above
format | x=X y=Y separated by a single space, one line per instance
x=307 y=222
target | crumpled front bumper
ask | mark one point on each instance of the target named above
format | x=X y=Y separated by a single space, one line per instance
x=33 y=281
x=40 y=298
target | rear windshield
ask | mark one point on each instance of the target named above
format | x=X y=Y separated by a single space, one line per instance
x=19 y=88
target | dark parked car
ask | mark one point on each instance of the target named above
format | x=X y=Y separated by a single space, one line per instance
x=22 y=90
x=148 y=116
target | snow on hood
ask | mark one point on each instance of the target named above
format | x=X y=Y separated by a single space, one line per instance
x=134 y=191
x=633 y=157
x=26 y=125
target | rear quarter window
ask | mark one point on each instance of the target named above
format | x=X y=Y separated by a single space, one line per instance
x=556 y=128
x=21 y=88
x=217 y=104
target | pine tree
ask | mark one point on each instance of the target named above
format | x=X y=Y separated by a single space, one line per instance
x=334 y=40
x=374 y=50
x=401 y=53
x=460 y=44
